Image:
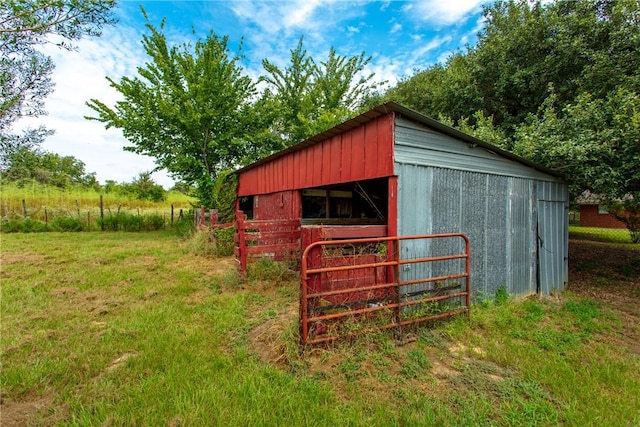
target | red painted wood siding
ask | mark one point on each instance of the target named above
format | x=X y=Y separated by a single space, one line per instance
x=361 y=153
x=589 y=217
x=281 y=205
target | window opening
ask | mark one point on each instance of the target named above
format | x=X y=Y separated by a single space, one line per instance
x=362 y=202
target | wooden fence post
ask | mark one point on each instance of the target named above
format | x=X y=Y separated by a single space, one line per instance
x=242 y=243
x=101 y=214
x=24 y=208
x=213 y=218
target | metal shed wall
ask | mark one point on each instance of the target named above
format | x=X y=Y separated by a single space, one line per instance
x=364 y=152
x=446 y=185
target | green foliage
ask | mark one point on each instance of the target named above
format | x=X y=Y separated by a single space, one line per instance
x=188 y=108
x=502 y=296
x=65 y=223
x=122 y=221
x=144 y=188
x=268 y=270
x=308 y=97
x=26 y=225
x=25 y=165
x=25 y=73
x=224 y=195
x=556 y=82
x=217 y=242
x=224 y=240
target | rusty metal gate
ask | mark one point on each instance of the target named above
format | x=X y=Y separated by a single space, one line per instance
x=360 y=285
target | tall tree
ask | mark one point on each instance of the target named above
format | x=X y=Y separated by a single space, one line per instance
x=25 y=73
x=596 y=143
x=310 y=96
x=189 y=108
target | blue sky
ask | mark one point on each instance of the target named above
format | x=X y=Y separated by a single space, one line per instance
x=400 y=36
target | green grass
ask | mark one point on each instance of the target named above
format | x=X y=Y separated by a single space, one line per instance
x=609 y=235
x=134 y=329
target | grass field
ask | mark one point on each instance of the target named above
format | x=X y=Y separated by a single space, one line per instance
x=133 y=329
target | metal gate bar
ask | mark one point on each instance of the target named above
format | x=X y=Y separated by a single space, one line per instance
x=317 y=312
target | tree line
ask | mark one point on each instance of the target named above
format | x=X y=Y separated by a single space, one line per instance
x=556 y=82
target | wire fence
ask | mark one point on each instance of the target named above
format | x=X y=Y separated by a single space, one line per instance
x=30 y=216
x=602 y=227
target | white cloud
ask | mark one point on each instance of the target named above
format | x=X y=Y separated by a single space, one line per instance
x=396 y=27
x=442 y=12
x=80 y=76
x=434 y=43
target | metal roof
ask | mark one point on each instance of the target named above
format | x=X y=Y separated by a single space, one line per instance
x=393 y=107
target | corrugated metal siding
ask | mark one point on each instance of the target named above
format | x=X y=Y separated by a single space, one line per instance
x=365 y=152
x=553 y=235
x=419 y=145
x=445 y=185
x=495 y=212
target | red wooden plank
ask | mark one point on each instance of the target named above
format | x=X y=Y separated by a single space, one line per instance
x=371 y=149
x=316 y=153
x=358 y=154
x=392 y=206
x=386 y=131
x=290 y=172
x=264 y=235
x=325 y=161
x=336 y=159
x=345 y=158
x=353 y=231
x=279 y=248
x=275 y=223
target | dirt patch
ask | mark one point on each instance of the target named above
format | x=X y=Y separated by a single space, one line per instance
x=119 y=361
x=208 y=266
x=198 y=297
x=268 y=338
x=30 y=411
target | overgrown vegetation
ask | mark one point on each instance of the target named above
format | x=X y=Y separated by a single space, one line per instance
x=128 y=328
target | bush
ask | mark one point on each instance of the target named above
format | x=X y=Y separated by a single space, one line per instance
x=184 y=227
x=128 y=222
x=65 y=223
x=202 y=243
x=268 y=270
x=27 y=225
x=224 y=241
x=153 y=222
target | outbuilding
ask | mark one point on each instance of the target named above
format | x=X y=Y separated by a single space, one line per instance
x=394 y=172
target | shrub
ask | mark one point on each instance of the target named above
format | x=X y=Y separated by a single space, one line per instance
x=202 y=243
x=153 y=222
x=128 y=222
x=65 y=223
x=27 y=225
x=224 y=241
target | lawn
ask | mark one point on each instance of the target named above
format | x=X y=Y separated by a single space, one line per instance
x=134 y=329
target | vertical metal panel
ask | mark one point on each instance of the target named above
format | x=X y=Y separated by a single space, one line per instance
x=473 y=223
x=493 y=200
x=414 y=217
x=495 y=212
x=366 y=154
x=521 y=261
x=553 y=235
x=496 y=229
